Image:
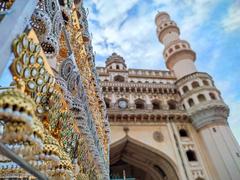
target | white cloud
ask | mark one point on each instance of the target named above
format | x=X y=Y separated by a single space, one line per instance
x=110 y=11
x=232 y=21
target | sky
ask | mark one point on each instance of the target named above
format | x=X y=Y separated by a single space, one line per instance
x=212 y=27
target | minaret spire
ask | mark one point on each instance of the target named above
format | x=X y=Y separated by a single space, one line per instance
x=177 y=53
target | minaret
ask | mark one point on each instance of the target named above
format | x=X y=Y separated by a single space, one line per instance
x=177 y=53
x=201 y=99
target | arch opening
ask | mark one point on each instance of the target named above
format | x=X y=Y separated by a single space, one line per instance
x=195 y=84
x=140 y=104
x=172 y=105
x=129 y=157
x=183 y=133
x=201 y=98
x=156 y=105
x=190 y=102
x=185 y=89
x=191 y=155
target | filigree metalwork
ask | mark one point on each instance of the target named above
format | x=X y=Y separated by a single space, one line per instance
x=51 y=7
x=29 y=71
x=41 y=24
x=48 y=23
x=50 y=46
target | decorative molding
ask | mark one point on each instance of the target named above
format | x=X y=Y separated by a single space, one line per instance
x=213 y=112
x=146 y=116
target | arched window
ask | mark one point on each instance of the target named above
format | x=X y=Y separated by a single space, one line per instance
x=156 y=105
x=190 y=102
x=172 y=105
x=183 y=133
x=119 y=78
x=205 y=82
x=195 y=84
x=177 y=47
x=191 y=155
x=212 y=96
x=201 y=98
x=170 y=50
x=185 y=89
x=117 y=67
x=106 y=80
x=140 y=104
x=107 y=102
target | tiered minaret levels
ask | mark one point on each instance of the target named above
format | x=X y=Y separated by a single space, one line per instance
x=177 y=53
x=201 y=100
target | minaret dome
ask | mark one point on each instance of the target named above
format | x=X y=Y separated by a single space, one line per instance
x=115 y=62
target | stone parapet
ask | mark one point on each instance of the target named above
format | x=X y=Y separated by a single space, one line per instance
x=159 y=74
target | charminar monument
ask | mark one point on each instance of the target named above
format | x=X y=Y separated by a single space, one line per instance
x=168 y=125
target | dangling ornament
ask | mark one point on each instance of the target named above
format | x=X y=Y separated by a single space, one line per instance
x=65 y=168
x=17 y=113
x=22 y=132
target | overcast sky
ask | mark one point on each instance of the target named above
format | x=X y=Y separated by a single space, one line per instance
x=212 y=27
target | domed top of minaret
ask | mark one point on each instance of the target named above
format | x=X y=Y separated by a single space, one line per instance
x=115 y=61
x=160 y=17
